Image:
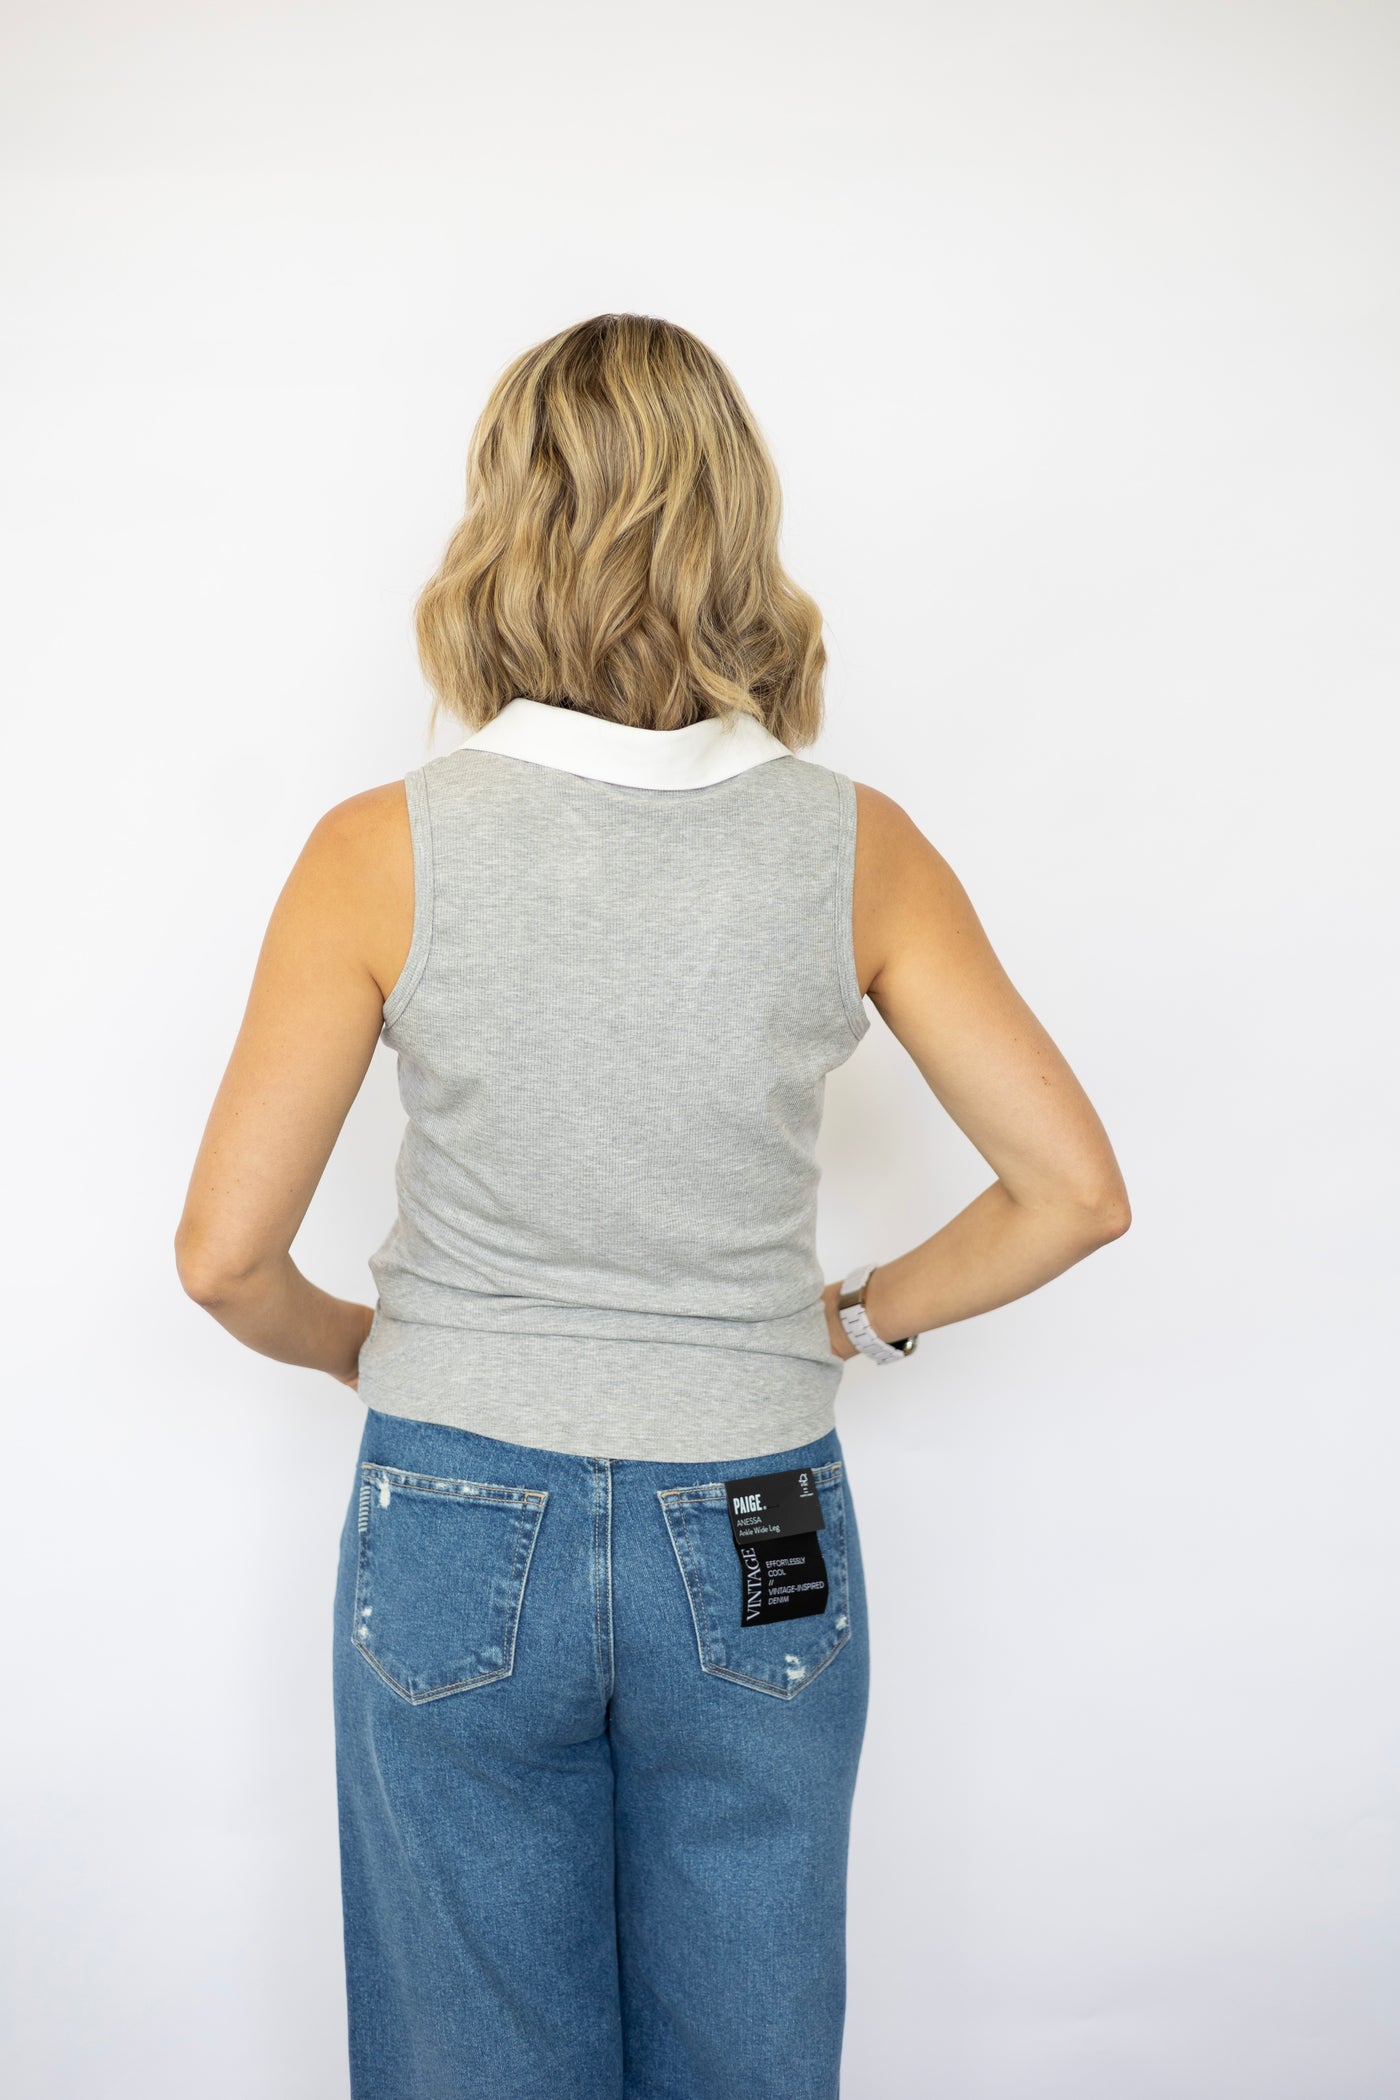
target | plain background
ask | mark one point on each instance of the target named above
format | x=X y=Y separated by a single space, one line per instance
x=1073 y=331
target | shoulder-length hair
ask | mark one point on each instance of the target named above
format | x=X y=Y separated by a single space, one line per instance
x=618 y=552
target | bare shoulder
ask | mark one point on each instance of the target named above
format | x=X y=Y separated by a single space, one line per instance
x=905 y=891
x=376 y=817
x=888 y=841
x=355 y=873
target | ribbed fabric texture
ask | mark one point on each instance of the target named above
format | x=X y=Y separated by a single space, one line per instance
x=613 y=1031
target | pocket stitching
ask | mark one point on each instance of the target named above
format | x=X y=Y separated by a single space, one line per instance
x=704 y=1494
x=760 y=1684
x=444 y=1484
x=695 y=1591
x=532 y=1532
x=695 y=1594
x=528 y=1501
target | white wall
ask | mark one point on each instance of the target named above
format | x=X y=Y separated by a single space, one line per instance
x=1073 y=329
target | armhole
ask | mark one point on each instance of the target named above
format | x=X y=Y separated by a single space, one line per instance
x=421 y=829
x=857 y=1015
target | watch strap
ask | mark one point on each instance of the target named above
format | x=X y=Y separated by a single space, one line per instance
x=850 y=1310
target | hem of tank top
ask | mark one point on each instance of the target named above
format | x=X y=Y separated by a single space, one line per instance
x=420 y=823
x=590 y=1334
x=852 y=1003
x=491 y=1392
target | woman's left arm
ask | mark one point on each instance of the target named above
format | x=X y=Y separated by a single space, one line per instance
x=337 y=938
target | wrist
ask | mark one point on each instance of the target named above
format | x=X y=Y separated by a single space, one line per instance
x=853 y=1314
x=841 y=1343
x=349 y=1373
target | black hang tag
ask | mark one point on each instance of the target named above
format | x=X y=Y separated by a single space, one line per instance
x=781 y=1579
x=773 y=1506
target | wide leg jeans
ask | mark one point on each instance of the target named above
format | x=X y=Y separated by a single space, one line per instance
x=594 y=1827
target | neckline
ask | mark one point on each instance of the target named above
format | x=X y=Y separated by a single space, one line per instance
x=696 y=756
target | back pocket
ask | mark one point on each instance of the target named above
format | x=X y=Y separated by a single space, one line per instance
x=782 y=1657
x=441 y=1578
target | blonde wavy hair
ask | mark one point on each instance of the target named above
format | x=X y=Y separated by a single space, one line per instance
x=618 y=552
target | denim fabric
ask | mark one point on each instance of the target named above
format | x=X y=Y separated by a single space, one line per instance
x=593 y=1831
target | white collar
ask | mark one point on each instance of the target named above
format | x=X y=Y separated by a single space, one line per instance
x=696 y=756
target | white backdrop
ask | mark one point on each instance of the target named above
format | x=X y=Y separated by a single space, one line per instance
x=1073 y=330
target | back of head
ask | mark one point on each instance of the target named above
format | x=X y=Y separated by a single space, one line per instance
x=619 y=549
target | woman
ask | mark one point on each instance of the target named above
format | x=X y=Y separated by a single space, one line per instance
x=601 y=1653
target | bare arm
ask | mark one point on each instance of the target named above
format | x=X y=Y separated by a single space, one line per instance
x=924 y=961
x=338 y=936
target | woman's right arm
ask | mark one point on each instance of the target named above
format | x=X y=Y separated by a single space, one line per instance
x=925 y=963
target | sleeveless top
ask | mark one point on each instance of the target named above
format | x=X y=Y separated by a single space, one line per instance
x=630 y=971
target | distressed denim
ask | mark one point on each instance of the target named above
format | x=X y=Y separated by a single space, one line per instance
x=594 y=1831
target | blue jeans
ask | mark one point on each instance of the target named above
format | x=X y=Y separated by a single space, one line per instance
x=594 y=1829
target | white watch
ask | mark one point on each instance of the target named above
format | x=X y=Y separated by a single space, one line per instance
x=850 y=1310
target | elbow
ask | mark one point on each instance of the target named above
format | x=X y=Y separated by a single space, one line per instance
x=199 y=1277
x=207 y=1273
x=1079 y=1219
x=1108 y=1215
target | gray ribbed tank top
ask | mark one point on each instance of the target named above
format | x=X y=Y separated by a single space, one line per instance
x=613 y=1029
